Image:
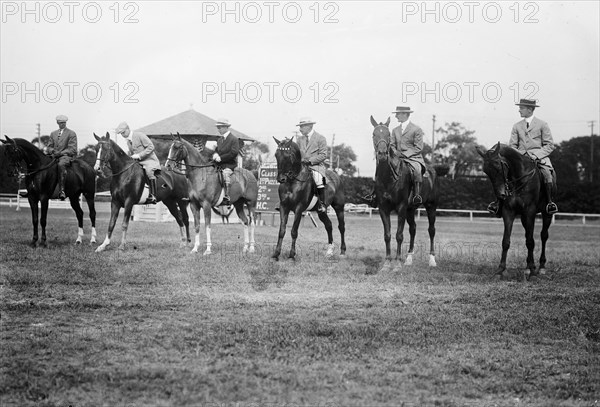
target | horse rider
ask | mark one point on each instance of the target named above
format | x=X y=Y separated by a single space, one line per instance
x=407 y=143
x=226 y=153
x=141 y=149
x=532 y=137
x=63 y=146
x=313 y=149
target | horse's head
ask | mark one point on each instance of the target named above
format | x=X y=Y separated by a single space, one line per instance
x=104 y=153
x=381 y=139
x=178 y=153
x=289 y=160
x=14 y=156
x=497 y=169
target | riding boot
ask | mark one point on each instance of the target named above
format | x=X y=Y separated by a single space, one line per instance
x=152 y=196
x=551 y=208
x=62 y=174
x=371 y=199
x=417 y=200
x=321 y=203
x=226 y=199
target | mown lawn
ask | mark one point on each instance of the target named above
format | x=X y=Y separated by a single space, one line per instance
x=156 y=325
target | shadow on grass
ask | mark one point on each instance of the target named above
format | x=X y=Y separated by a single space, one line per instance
x=262 y=277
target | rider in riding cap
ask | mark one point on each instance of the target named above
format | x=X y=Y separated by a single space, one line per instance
x=532 y=137
x=141 y=149
x=407 y=143
x=226 y=153
x=62 y=145
x=313 y=148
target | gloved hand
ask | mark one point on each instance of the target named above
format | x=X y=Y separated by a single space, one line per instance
x=532 y=156
x=135 y=156
x=216 y=157
x=306 y=161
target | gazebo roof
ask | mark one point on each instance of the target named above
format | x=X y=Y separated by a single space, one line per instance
x=188 y=123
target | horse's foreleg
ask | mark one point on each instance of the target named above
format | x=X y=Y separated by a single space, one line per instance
x=252 y=225
x=329 y=228
x=114 y=215
x=294 y=232
x=34 y=221
x=79 y=214
x=196 y=212
x=384 y=214
x=239 y=209
x=207 y=215
x=546 y=222
x=43 y=218
x=400 y=233
x=125 y=225
x=176 y=213
x=92 y=208
x=508 y=224
x=412 y=230
x=339 y=212
x=528 y=222
x=283 y=219
x=431 y=214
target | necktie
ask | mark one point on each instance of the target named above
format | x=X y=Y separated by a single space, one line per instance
x=527 y=124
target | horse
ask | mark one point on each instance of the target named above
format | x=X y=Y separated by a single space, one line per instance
x=393 y=189
x=297 y=193
x=224 y=211
x=206 y=191
x=517 y=183
x=41 y=179
x=127 y=188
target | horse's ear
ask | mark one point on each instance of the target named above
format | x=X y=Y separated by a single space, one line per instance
x=387 y=123
x=5 y=141
x=277 y=141
x=496 y=148
x=108 y=135
x=178 y=136
x=373 y=121
x=480 y=151
x=96 y=137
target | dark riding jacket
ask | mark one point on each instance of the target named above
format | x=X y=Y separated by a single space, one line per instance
x=228 y=149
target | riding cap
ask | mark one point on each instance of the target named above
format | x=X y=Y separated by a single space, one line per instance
x=222 y=123
x=305 y=120
x=61 y=118
x=121 y=127
x=528 y=103
x=402 y=109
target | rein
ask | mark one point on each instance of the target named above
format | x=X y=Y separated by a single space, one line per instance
x=30 y=173
x=510 y=185
x=106 y=163
x=393 y=169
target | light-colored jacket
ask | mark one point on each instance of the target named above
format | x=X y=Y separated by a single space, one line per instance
x=315 y=149
x=65 y=145
x=141 y=144
x=409 y=144
x=536 y=140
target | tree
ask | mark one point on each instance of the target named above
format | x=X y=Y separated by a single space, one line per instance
x=457 y=148
x=571 y=161
x=343 y=158
x=254 y=155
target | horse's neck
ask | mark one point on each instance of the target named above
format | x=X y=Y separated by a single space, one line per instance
x=195 y=157
x=119 y=159
x=519 y=166
x=34 y=159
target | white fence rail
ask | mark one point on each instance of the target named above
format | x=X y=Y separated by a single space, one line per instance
x=18 y=202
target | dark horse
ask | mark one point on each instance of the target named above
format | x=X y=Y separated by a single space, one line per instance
x=127 y=189
x=297 y=193
x=41 y=179
x=393 y=188
x=205 y=190
x=518 y=185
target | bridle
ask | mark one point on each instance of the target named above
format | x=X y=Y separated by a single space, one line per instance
x=387 y=144
x=17 y=157
x=511 y=186
x=290 y=176
x=105 y=161
x=178 y=146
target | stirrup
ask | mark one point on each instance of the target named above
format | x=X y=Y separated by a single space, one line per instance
x=62 y=196
x=226 y=200
x=151 y=200
x=551 y=208
x=417 y=200
x=370 y=200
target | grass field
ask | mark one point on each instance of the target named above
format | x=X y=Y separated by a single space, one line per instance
x=156 y=325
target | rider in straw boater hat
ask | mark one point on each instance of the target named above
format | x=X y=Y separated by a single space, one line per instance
x=62 y=145
x=313 y=149
x=141 y=148
x=533 y=138
x=228 y=148
x=407 y=143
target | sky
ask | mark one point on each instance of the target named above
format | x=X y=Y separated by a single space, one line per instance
x=263 y=65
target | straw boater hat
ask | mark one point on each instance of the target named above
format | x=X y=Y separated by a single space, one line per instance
x=222 y=123
x=305 y=120
x=528 y=103
x=402 y=109
x=61 y=118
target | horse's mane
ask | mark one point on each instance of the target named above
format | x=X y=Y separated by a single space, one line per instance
x=29 y=148
x=295 y=149
x=205 y=155
x=512 y=155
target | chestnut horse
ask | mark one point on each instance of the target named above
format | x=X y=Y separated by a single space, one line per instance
x=41 y=180
x=393 y=189
x=127 y=189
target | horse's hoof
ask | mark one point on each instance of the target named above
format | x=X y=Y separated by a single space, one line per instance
x=99 y=249
x=93 y=241
x=77 y=242
x=207 y=253
x=409 y=260
x=251 y=250
x=122 y=247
